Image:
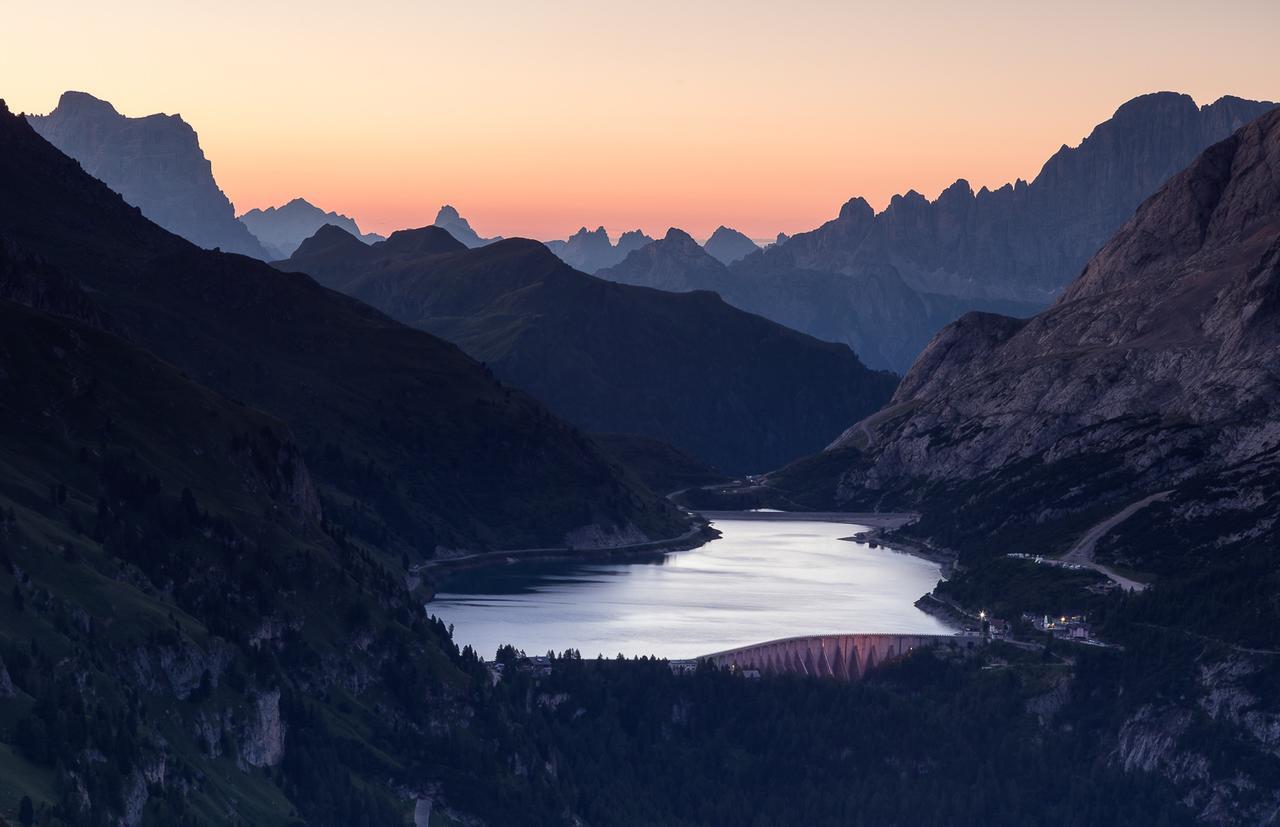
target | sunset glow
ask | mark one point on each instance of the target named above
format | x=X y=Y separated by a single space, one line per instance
x=535 y=119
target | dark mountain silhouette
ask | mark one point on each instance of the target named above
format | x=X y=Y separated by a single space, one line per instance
x=410 y=441
x=591 y=250
x=155 y=163
x=886 y=283
x=1153 y=372
x=727 y=245
x=458 y=227
x=733 y=389
x=282 y=229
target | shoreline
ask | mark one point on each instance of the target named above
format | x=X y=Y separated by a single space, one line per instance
x=871 y=519
x=696 y=536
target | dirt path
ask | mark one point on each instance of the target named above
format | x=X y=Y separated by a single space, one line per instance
x=1082 y=552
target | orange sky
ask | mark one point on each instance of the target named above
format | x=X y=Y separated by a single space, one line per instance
x=535 y=118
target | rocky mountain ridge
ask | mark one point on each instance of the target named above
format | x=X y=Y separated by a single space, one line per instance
x=885 y=283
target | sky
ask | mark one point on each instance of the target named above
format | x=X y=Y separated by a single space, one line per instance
x=535 y=118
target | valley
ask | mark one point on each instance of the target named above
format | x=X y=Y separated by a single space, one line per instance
x=344 y=483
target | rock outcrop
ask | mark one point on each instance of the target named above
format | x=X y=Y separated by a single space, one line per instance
x=282 y=229
x=155 y=163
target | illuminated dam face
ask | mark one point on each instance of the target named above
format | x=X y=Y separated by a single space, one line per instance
x=843 y=657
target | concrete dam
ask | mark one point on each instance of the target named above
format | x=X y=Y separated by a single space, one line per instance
x=843 y=657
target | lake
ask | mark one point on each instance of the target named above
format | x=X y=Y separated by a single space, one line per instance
x=763 y=579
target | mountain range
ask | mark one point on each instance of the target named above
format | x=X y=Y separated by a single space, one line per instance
x=592 y=250
x=281 y=229
x=732 y=389
x=1152 y=375
x=885 y=283
x=406 y=436
x=155 y=163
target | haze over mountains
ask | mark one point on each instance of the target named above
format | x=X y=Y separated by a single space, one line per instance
x=885 y=283
x=282 y=229
x=733 y=389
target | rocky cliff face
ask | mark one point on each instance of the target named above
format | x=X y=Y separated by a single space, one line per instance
x=282 y=229
x=155 y=163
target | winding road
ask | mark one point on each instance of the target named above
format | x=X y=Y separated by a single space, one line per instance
x=1082 y=552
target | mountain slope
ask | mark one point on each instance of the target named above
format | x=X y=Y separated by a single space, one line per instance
x=155 y=163
x=732 y=389
x=1155 y=371
x=282 y=229
x=411 y=442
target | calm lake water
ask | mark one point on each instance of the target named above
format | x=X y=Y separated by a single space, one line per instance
x=760 y=581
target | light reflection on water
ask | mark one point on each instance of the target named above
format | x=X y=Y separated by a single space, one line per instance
x=761 y=580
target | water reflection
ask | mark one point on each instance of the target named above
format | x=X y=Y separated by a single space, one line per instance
x=761 y=580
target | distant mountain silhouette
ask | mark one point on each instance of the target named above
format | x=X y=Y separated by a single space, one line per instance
x=458 y=227
x=282 y=229
x=886 y=283
x=155 y=163
x=591 y=250
x=730 y=388
x=675 y=262
x=727 y=245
